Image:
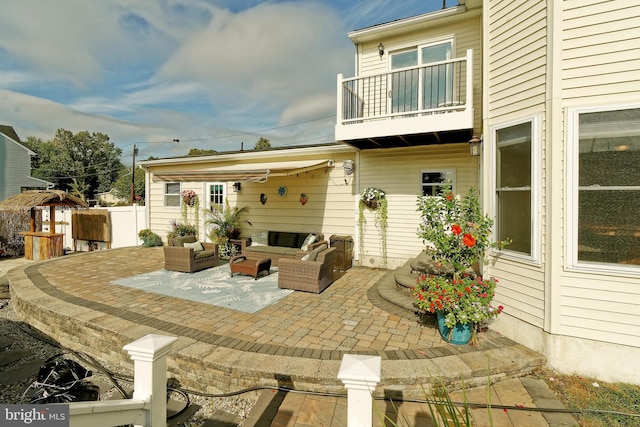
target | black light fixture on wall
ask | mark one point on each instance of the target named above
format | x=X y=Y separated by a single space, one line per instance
x=237 y=186
x=381 y=49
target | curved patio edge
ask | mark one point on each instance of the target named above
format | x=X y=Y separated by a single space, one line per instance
x=212 y=362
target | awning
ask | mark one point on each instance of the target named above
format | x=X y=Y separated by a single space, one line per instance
x=247 y=172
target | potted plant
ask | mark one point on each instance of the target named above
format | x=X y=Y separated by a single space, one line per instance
x=178 y=230
x=225 y=224
x=374 y=199
x=456 y=234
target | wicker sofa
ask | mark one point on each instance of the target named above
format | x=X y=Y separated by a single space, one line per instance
x=280 y=245
x=308 y=275
x=178 y=257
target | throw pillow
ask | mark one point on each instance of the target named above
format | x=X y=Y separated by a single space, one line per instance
x=309 y=240
x=197 y=246
x=313 y=255
x=259 y=238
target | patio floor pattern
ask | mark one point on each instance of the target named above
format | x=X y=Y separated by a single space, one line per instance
x=297 y=342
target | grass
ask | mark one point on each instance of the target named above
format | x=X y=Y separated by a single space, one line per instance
x=588 y=394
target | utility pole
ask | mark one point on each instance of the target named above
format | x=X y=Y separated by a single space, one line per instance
x=133 y=174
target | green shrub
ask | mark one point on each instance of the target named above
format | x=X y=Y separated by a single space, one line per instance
x=149 y=238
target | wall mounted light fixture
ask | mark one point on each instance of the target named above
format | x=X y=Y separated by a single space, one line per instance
x=381 y=49
x=475 y=145
x=237 y=186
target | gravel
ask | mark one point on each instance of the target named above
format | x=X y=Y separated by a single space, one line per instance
x=22 y=336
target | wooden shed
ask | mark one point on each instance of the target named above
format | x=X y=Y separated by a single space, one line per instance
x=39 y=245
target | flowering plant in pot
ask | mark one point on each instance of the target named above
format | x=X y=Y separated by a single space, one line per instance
x=456 y=234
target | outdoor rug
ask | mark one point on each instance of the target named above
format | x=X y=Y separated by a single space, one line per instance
x=213 y=286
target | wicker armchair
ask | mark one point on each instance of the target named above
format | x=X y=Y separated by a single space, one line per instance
x=180 y=258
x=309 y=276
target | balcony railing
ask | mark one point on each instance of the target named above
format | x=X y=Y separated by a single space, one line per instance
x=422 y=92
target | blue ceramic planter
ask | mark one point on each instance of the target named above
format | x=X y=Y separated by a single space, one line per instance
x=460 y=333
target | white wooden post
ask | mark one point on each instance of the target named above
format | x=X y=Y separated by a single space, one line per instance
x=150 y=379
x=360 y=376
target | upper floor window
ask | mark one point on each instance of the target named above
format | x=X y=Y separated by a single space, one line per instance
x=605 y=186
x=172 y=194
x=515 y=186
x=433 y=181
x=429 y=86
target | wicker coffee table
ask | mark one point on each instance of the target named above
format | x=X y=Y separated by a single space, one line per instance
x=252 y=267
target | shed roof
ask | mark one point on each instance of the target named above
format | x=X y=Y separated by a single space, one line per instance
x=30 y=199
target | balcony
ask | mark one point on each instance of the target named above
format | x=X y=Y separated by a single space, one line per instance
x=419 y=105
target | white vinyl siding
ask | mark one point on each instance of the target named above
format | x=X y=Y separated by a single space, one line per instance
x=398 y=173
x=515 y=86
x=601 y=52
x=516 y=57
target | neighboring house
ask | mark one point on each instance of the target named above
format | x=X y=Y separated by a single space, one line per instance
x=553 y=91
x=15 y=166
x=109 y=198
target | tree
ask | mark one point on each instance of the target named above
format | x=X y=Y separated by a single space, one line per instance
x=83 y=164
x=122 y=187
x=262 y=144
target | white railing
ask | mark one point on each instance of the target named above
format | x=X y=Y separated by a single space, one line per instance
x=148 y=408
x=435 y=87
x=430 y=97
x=360 y=376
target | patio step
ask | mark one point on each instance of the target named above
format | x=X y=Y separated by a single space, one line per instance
x=395 y=287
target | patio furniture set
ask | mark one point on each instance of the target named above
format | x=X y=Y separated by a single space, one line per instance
x=304 y=264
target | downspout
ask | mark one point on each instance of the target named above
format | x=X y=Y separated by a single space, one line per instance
x=554 y=205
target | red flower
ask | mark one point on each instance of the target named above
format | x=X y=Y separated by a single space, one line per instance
x=456 y=229
x=469 y=240
x=500 y=308
x=468 y=289
x=449 y=196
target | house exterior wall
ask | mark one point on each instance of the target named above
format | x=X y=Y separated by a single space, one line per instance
x=398 y=173
x=15 y=162
x=544 y=59
x=465 y=30
x=330 y=208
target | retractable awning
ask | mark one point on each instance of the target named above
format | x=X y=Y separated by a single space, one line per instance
x=247 y=172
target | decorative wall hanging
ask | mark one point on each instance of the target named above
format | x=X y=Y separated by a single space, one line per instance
x=304 y=199
x=282 y=191
x=263 y=198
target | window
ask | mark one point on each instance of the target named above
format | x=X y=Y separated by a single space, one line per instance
x=436 y=81
x=216 y=194
x=514 y=195
x=433 y=181
x=606 y=186
x=172 y=194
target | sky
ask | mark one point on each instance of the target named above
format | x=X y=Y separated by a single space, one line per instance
x=213 y=74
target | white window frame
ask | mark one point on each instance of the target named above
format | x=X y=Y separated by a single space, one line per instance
x=447 y=172
x=571 y=200
x=536 y=180
x=207 y=192
x=165 y=194
x=418 y=48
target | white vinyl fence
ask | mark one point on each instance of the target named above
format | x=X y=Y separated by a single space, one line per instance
x=126 y=222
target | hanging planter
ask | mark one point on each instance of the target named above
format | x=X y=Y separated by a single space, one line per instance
x=375 y=200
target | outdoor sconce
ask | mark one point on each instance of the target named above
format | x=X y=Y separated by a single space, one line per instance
x=380 y=49
x=348 y=167
x=474 y=145
x=236 y=186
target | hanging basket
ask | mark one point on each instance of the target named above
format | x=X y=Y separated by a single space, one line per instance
x=371 y=204
x=189 y=201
